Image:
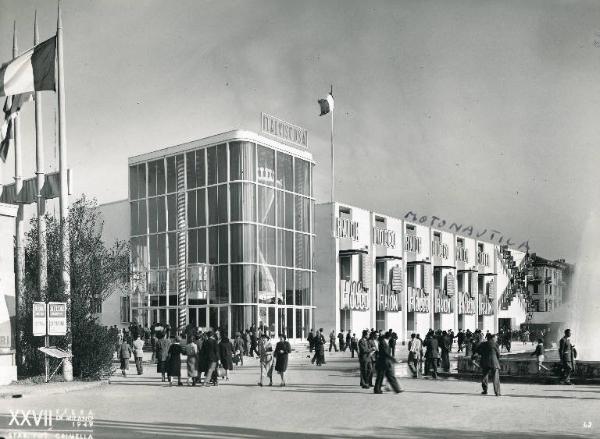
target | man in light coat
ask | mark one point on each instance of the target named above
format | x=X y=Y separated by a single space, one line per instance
x=138 y=349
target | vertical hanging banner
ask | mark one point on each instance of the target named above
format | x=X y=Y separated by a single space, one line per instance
x=39 y=319
x=57 y=318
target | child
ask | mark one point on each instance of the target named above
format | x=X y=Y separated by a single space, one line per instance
x=539 y=352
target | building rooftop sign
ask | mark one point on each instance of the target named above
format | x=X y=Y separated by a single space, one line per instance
x=283 y=130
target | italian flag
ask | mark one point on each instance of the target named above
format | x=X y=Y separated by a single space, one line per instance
x=326 y=104
x=31 y=71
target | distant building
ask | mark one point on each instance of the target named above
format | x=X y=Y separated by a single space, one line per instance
x=548 y=283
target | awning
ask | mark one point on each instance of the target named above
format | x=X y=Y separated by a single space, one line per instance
x=387 y=258
x=444 y=266
x=487 y=274
x=470 y=270
x=354 y=251
x=418 y=262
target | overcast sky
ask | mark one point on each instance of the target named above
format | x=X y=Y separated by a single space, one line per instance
x=477 y=112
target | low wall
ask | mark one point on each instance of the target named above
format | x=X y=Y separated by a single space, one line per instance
x=584 y=370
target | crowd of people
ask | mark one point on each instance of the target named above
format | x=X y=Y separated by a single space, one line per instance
x=210 y=355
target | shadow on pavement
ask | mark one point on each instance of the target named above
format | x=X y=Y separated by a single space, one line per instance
x=113 y=429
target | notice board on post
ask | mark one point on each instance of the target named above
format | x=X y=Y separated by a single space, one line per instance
x=39 y=319
x=57 y=318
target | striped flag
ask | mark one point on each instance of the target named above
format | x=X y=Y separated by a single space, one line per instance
x=31 y=71
x=326 y=104
x=12 y=106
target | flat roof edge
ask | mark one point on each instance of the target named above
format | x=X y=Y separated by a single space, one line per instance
x=221 y=138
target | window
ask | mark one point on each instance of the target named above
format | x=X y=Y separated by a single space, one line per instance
x=157 y=214
x=303 y=288
x=345 y=268
x=125 y=309
x=410 y=276
x=242 y=317
x=172 y=244
x=196 y=174
x=266 y=165
x=437 y=278
x=243 y=283
x=138 y=217
x=171 y=212
x=137 y=181
x=380 y=272
x=218 y=242
x=380 y=320
x=285 y=172
x=302 y=214
x=266 y=245
x=196 y=246
x=266 y=284
x=303 y=253
x=241 y=158
x=266 y=205
x=243 y=243
x=285 y=248
x=158 y=251
x=410 y=229
x=217 y=204
x=217 y=164
x=139 y=253
x=243 y=202
x=156 y=177
x=302 y=177
x=345 y=324
x=196 y=208
x=285 y=210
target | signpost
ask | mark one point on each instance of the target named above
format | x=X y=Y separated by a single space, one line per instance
x=57 y=318
x=50 y=319
x=39 y=319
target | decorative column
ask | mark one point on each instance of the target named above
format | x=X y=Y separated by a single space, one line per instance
x=181 y=245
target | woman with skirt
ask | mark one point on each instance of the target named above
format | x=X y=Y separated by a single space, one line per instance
x=282 y=350
x=174 y=361
x=226 y=355
x=191 y=350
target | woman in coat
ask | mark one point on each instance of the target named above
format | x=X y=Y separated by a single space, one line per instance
x=226 y=355
x=191 y=350
x=174 y=361
x=282 y=350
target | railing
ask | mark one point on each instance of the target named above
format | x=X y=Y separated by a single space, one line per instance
x=412 y=243
x=483 y=259
x=462 y=254
x=439 y=249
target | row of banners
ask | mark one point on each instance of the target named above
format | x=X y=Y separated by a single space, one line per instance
x=354 y=296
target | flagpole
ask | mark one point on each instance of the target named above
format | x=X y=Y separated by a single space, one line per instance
x=41 y=202
x=62 y=164
x=19 y=230
x=332 y=156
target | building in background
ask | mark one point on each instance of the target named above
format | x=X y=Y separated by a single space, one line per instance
x=376 y=271
x=238 y=209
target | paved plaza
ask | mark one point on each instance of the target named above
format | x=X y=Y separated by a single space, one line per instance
x=320 y=402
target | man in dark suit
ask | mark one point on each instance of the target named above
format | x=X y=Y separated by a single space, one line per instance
x=432 y=355
x=385 y=365
x=565 y=353
x=490 y=363
x=364 y=360
x=211 y=354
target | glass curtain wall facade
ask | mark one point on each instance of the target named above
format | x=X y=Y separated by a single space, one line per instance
x=248 y=238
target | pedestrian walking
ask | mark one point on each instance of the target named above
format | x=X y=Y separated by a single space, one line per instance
x=238 y=349
x=191 y=351
x=311 y=340
x=342 y=342
x=393 y=340
x=432 y=355
x=319 y=342
x=373 y=345
x=539 y=354
x=415 y=351
x=353 y=345
x=567 y=355
x=385 y=366
x=162 y=354
x=138 y=346
x=364 y=360
x=265 y=353
x=348 y=341
x=226 y=355
x=445 y=343
x=174 y=362
x=253 y=343
x=124 y=355
x=489 y=361
x=460 y=339
x=210 y=351
x=332 y=341
x=282 y=351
